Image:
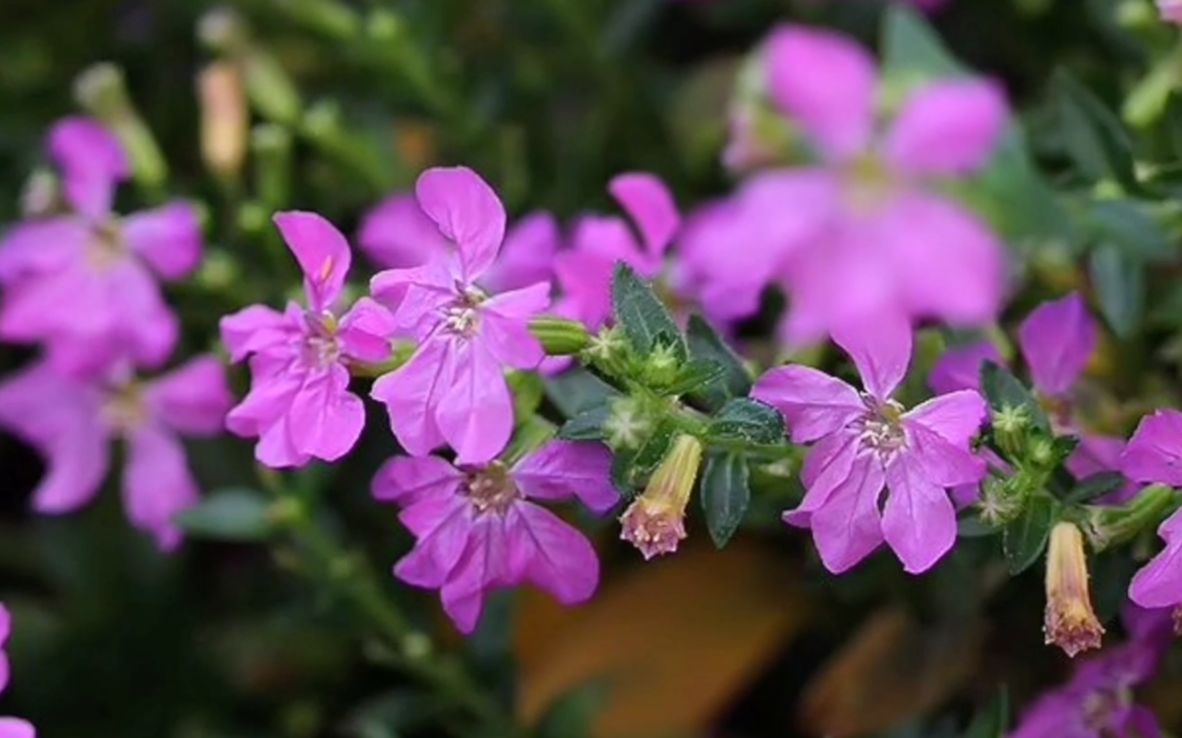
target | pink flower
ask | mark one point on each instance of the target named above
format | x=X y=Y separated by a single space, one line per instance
x=1154 y=454
x=865 y=233
x=84 y=284
x=453 y=389
x=585 y=270
x=396 y=234
x=1171 y=10
x=1057 y=341
x=865 y=441
x=478 y=529
x=72 y=423
x=10 y=727
x=299 y=405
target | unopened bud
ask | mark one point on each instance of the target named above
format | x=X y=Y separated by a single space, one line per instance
x=655 y=521
x=224 y=118
x=270 y=90
x=1009 y=428
x=40 y=194
x=608 y=351
x=559 y=336
x=660 y=366
x=102 y=90
x=1070 y=622
x=627 y=423
x=1110 y=525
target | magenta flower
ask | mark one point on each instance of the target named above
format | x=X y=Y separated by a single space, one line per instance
x=453 y=389
x=10 y=727
x=299 y=405
x=478 y=529
x=585 y=270
x=72 y=422
x=864 y=233
x=864 y=441
x=85 y=284
x=1098 y=700
x=1154 y=454
x=1171 y=10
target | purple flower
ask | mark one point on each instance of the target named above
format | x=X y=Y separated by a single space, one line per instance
x=864 y=233
x=299 y=405
x=1171 y=10
x=72 y=422
x=864 y=441
x=1097 y=701
x=585 y=270
x=478 y=528
x=1154 y=454
x=453 y=389
x=10 y=727
x=85 y=284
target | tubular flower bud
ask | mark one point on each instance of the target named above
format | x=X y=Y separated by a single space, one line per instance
x=224 y=118
x=1070 y=623
x=655 y=521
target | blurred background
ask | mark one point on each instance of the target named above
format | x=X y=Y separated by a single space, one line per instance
x=349 y=101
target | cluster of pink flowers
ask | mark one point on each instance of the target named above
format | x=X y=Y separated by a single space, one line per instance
x=83 y=285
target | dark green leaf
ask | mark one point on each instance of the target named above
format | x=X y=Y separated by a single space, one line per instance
x=577 y=390
x=993 y=721
x=744 y=419
x=645 y=321
x=653 y=451
x=622 y=474
x=587 y=425
x=1120 y=288
x=911 y=47
x=1005 y=392
x=694 y=375
x=1112 y=571
x=706 y=344
x=725 y=494
x=234 y=514
x=972 y=526
x=1128 y=225
x=1024 y=539
x=1094 y=137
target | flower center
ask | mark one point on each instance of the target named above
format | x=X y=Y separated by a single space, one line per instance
x=491 y=490
x=322 y=347
x=881 y=429
x=107 y=245
x=462 y=317
x=869 y=184
x=124 y=409
x=1101 y=706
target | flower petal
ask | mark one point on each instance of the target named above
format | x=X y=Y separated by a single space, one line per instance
x=940 y=461
x=882 y=353
x=442 y=528
x=193 y=398
x=253 y=328
x=322 y=252
x=959 y=368
x=412 y=393
x=157 y=484
x=467 y=211
x=92 y=162
x=847 y=529
x=1154 y=453
x=1058 y=339
x=396 y=234
x=40 y=246
x=947 y=128
x=827 y=82
x=326 y=419
x=167 y=237
x=650 y=204
x=1159 y=583
x=956 y=416
x=826 y=468
x=551 y=554
x=406 y=480
x=561 y=469
x=415 y=296
x=484 y=566
x=813 y=403
x=475 y=412
x=527 y=256
x=366 y=330
x=11 y=727
x=918 y=521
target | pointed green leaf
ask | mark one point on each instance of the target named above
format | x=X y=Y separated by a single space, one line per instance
x=725 y=494
x=705 y=344
x=910 y=46
x=1024 y=539
x=645 y=321
x=744 y=419
x=234 y=514
x=1120 y=288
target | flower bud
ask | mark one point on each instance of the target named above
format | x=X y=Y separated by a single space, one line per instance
x=102 y=91
x=224 y=118
x=608 y=351
x=559 y=336
x=1010 y=424
x=271 y=146
x=1109 y=525
x=628 y=422
x=270 y=89
x=1070 y=622
x=655 y=521
x=223 y=30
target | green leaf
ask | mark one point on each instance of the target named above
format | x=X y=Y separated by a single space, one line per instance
x=577 y=390
x=645 y=321
x=911 y=46
x=725 y=494
x=1005 y=392
x=706 y=345
x=1024 y=539
x=571 y=714
x=744 y=419
x=622 y=471
x=527 y=391
x=694 y=375
x=1128 y=224
x=1120 y=288
x=653 y=451
x=993 y=721
x=1094 y=137
x=972 y=526
x=587 y=425
x=233 y=514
